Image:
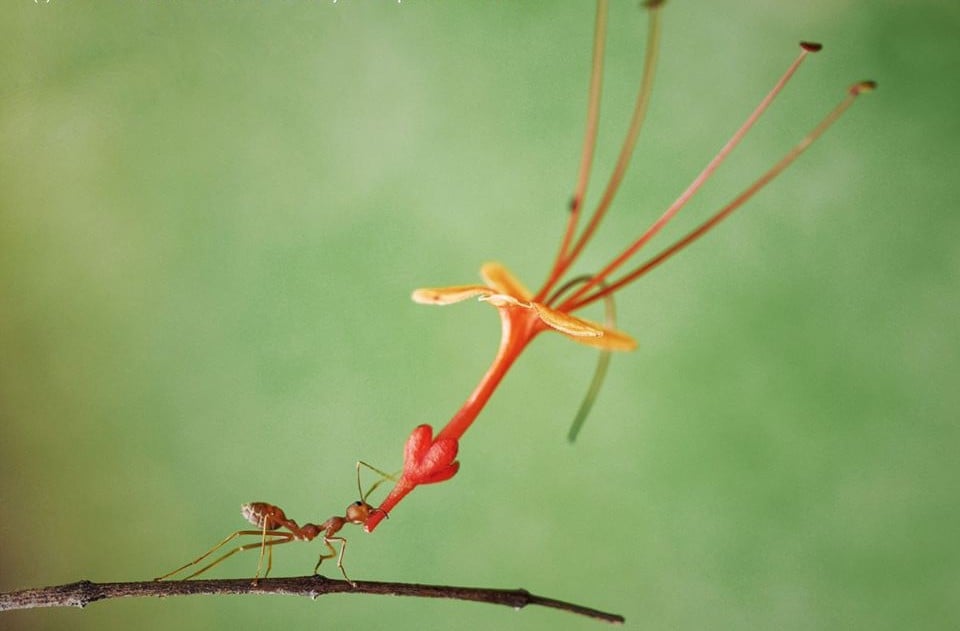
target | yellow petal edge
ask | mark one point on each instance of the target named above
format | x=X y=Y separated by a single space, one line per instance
x=585 y=331
x=500 y=278
x=449 y=295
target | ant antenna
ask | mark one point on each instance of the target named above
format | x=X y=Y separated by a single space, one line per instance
x=384 y=476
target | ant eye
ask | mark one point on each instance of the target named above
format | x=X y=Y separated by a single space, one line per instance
x=358 y=503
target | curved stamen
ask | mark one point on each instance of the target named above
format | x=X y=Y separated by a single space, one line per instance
x=603 y=361
x=599 y=374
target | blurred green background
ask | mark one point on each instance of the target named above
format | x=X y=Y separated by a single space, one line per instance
x=212 y=215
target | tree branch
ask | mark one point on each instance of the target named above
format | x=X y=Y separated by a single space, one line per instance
x=82 y=593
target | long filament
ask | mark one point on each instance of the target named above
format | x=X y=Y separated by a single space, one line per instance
x=589 y=139
x=681 y=201
x=818 y=131
x=626 y=151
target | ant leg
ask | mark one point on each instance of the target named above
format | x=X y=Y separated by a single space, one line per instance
x=343 y=548
x=280 y=537
x=384 y=476
x=263 y=546
x=225 y=541
x=268 y=546
x=333 y=553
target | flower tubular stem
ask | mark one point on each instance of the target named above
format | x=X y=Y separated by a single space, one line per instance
x=518 y=327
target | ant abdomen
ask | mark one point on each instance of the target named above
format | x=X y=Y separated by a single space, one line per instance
x=263 y=515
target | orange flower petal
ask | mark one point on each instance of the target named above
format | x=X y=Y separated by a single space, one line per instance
x=584 y=331
x=503 y=300
x=566 y=323
x=500 y=278
x=611 y=340
x=449 y=295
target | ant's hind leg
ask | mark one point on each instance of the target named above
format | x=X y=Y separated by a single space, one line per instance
x=225 y=541
x=279 y=537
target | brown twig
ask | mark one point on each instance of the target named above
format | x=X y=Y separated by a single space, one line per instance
x=82 y=593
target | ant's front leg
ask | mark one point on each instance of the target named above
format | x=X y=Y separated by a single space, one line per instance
x=333 y=553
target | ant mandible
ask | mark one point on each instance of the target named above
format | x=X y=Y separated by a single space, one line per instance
x=270 y=519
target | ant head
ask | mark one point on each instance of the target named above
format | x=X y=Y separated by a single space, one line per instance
x=358 y=512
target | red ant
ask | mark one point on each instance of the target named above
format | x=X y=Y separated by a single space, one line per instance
x=270 y=519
